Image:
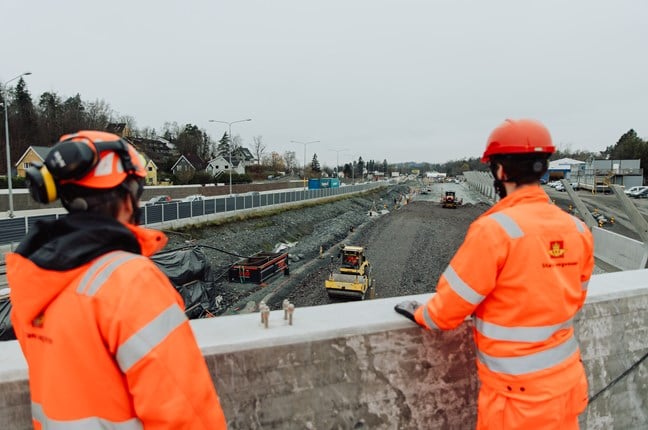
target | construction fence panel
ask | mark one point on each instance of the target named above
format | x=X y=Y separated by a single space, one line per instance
x=13 y=230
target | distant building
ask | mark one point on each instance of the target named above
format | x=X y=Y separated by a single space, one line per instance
x=188 y=164
x=597 y=175
x=121 y=129
x=217 y=165
x=33 y=154
x=561 y=169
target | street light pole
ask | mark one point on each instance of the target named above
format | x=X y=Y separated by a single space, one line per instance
x=6 y=117
x=305 y=145
x=337 y=161
x=229 y=126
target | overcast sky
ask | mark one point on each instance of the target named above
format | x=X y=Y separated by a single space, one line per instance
x=402 y=80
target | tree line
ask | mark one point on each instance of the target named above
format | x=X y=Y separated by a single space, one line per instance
x=43 y=122
x=53 y=115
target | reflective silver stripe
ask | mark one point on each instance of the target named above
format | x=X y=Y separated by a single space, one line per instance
x=103 y=275
x=519 y=334
x=508 y=224
x=149 y=336
x=532 y=362
x=428 y=319
x=462 y=289
x=579 y=224
x=584 y=285
x=94 y=267
x=87 y=423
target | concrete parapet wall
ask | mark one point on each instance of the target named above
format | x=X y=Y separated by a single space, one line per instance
x=362 y=366
x=619 y=251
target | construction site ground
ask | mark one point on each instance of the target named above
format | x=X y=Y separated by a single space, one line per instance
x=409 y=240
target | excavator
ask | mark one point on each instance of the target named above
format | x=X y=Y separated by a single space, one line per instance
x=353 y=279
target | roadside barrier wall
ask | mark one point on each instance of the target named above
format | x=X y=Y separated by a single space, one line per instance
x=12 y=230
x=362 y=366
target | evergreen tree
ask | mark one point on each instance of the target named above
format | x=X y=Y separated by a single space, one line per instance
x=192 y=140
x=223 y=147
x=315 y=165
x=50 y=111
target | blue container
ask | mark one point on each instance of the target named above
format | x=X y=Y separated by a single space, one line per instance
x=325 y=183
x=335 y=183
x=314 y=184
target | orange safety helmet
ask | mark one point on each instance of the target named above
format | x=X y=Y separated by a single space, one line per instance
x=523 y=136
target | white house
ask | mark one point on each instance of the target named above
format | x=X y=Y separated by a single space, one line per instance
x=220 y=164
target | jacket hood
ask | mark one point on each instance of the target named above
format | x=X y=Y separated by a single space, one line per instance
x=56 y=252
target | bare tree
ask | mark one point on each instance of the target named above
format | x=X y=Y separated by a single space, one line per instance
x=291 y=161
x=258 y=148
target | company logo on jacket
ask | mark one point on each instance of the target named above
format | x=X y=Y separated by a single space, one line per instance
x=556 y=249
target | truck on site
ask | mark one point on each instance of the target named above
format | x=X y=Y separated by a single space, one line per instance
x=353 y=277
x=450 y=200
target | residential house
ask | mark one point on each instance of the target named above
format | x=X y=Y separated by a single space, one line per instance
x=159 y=150
x=151 y=171
x=121 y=129
x=33 y=154
x=241 y=158
x=218 y=165
x=188 y=165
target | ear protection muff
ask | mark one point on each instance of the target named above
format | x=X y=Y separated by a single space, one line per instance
x=41 y=183
x=71 y=160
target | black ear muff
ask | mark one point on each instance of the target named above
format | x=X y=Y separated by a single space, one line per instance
x=42 y=186
x=71 y=159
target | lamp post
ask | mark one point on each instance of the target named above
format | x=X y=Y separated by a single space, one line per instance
x=337 y=161
x=6 y=115
x=229 y=125
x=305 y=145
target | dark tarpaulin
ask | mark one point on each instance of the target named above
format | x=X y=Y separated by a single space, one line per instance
x=182 y=265
x=189 y=272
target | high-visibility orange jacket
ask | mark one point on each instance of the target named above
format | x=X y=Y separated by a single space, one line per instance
x=522 y=272
x=104 y=332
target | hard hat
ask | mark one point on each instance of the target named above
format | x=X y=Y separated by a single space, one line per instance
x=90 y=159
x=523 y=136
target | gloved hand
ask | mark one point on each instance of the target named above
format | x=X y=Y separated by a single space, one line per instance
x=407 y=308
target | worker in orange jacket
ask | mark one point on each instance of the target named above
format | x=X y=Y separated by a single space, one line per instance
x=104 y=332
x=522 y=273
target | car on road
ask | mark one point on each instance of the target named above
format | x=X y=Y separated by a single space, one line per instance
x=641 y=194
x=193 y=198
x=157 y=200
x=635 y=189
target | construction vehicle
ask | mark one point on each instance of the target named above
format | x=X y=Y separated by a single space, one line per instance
x=259 y=267
x=450 y=200
x=353 y=279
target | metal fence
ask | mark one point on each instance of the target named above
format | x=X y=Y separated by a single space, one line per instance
x=12 y=230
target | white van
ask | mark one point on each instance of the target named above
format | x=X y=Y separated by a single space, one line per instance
x=634 y=190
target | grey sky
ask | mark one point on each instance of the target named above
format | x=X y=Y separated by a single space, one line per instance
x=422 y=80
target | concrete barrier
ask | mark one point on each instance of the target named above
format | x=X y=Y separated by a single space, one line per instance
x=618 y=251
x=362 y=366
